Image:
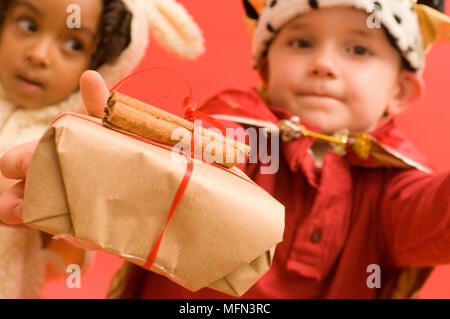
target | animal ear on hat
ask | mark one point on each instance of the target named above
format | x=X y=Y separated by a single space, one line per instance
x=434 y=25
x=253 y=10
x=174 y=28
x=435 y=4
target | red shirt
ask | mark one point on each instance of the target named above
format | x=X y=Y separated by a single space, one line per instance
x=339 y=219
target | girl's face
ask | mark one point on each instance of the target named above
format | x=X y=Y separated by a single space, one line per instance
x=328 y=67
x=41 y=58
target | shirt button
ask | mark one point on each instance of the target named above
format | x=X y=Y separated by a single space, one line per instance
x=316 y=235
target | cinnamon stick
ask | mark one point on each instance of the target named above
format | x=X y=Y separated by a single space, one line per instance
x=158 y=113
x=150 y=122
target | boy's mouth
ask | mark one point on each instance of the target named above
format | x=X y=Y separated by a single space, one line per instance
x=29 y=84
x=319 y=94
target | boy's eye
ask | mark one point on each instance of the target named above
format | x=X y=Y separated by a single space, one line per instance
x=360 y=50
x=27 y=25
x=299 y=43
x=73 y=45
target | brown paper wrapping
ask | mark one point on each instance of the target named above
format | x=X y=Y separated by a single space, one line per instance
x=115 y=193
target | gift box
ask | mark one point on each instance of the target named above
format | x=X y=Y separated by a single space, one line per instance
x=114 y=191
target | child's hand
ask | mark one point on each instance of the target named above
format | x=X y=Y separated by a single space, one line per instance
x=14 y=164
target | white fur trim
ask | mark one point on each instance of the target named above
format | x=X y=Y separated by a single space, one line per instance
x=175 y=29
x=19 y=125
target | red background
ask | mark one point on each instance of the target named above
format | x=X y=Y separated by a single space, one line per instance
x=227 y=62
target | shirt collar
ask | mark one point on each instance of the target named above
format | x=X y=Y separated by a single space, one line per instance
x=390 y=146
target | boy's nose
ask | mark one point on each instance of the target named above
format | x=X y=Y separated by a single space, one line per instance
x=323 y=64
x=38 y=53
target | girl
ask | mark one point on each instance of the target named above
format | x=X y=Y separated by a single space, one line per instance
x=41 y=60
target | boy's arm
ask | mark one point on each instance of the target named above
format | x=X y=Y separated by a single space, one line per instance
x=416 y=218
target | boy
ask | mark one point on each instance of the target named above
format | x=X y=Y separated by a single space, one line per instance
x=343 y=217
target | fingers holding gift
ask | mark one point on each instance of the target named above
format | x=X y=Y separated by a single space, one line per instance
x=15 y=162
x=11 y=205
x=14 y=165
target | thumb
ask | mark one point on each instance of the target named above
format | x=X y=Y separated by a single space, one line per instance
x=94 y=92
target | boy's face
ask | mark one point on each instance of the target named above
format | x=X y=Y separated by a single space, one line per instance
x=329 y=68
x=41 y=58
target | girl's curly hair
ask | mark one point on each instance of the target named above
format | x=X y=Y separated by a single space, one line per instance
x=114 y=33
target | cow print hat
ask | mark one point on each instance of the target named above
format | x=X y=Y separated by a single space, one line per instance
x=403 y=20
